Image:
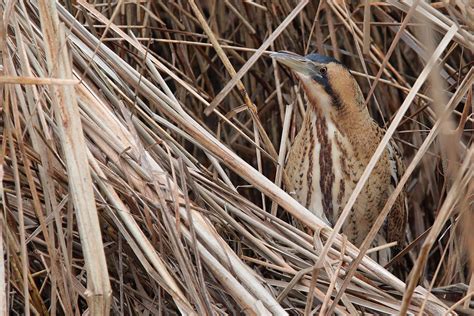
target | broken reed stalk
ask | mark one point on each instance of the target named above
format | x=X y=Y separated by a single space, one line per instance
x=64 y=101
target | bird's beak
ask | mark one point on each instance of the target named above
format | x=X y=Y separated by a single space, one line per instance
x=298 y=64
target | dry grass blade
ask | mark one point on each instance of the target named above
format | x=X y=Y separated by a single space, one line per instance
x=38 y=81
x=462 y=180
x=218 y=99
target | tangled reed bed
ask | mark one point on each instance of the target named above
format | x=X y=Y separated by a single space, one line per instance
x=142 y=145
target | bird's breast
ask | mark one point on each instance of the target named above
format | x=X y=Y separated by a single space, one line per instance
x=318 y=168
x=324 y=166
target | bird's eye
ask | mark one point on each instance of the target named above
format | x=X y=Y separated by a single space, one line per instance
x=323 y=70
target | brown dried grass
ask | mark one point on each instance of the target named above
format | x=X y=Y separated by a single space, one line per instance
x=184 y=123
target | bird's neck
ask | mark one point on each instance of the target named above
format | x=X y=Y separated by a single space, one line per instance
x=352 y=126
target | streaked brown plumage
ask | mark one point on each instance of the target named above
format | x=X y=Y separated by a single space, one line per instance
x=336 y=141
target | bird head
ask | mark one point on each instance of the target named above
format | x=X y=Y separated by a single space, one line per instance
x=328 y=84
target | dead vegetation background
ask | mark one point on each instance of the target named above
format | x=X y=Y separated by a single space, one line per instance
x=142 y=143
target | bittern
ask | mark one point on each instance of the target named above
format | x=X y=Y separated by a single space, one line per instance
x=330 y=152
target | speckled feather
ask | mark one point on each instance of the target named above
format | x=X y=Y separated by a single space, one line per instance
x=331 y=152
